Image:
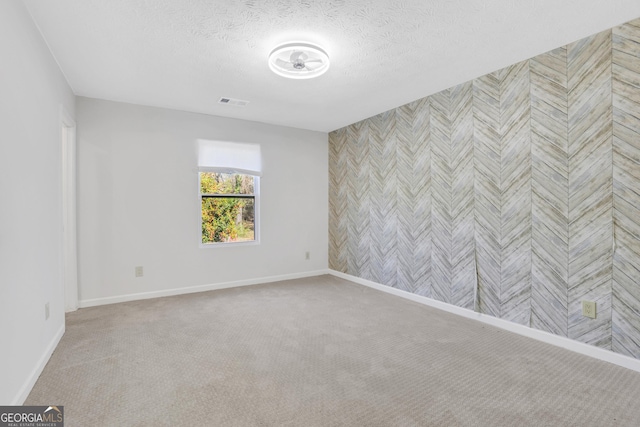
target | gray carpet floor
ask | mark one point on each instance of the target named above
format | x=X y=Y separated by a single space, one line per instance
x=319 y=351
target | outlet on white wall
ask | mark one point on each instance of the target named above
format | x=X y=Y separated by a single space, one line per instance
x=46 y=311
x=139 y=271
x=307 y=255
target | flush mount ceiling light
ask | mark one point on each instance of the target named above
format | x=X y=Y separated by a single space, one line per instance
x=298 y=60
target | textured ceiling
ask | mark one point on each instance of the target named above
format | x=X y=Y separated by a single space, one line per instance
x=186 y=54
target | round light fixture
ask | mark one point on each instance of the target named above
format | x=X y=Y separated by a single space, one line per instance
x=298 y=60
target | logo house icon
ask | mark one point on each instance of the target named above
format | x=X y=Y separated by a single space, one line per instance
x=52 y=414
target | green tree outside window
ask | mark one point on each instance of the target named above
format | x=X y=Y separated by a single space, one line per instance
x=226 y=218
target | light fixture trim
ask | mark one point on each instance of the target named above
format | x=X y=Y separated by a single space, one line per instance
x=283 y=62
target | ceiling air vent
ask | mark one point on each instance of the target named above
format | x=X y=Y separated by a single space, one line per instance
x=234 y=102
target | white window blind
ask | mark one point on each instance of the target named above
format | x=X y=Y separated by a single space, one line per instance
x=229 y=157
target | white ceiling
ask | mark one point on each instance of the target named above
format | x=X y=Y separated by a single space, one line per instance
x=186 y=54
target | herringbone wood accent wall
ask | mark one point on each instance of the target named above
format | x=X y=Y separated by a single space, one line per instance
x=626 y=182
x=550 y=192
x=503 y=192
x=517 y=194
x=590 y=125
x=414 y=197
x=452 y=221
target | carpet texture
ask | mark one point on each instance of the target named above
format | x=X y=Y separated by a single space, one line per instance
x=319 y=351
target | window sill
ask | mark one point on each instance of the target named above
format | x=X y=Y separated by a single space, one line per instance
x=228 y=244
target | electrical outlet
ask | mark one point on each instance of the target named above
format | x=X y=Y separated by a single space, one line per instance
x=139 y=271
x=589 y=309
x=46 y=311
x=307 y=255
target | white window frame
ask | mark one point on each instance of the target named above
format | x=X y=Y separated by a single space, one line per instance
x=231 y=158
x=256 y=217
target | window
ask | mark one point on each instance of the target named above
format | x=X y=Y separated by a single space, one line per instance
x=228 y=207
x=228 y=180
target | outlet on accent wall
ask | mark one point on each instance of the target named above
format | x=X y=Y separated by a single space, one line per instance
x=589 y=309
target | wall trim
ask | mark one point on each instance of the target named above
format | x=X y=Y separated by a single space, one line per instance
x=558 y=341
x=546 y=337
x=26 y=388
x=194 y=289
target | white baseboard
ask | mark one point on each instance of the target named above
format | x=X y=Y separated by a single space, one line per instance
x=193 y=289
x=556 y=340
x=24 y=391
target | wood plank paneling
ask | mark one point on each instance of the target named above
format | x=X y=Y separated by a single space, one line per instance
x=453 y=255
x=590 y=187
x=383 y=196
x=358 y=204
x=535 y=206
x=414 y=197
x=338 y=188
x=626 y=189
x=550 y=192
x=501 y=107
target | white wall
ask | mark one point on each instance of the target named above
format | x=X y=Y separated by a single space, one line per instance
x=138 y=201
x=31 y=91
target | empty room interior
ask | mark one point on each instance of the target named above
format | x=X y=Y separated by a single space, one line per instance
x=327 y=213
